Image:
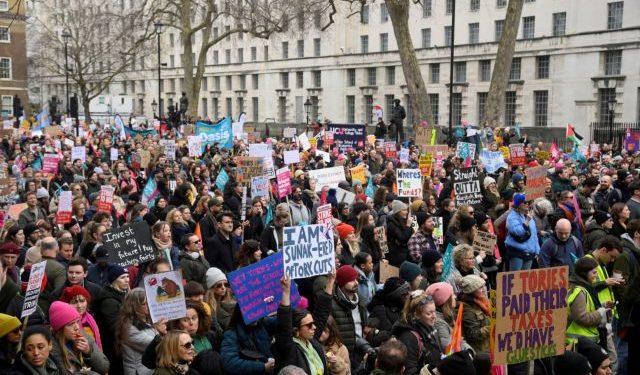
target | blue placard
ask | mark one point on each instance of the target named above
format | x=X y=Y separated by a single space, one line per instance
x=220 y=133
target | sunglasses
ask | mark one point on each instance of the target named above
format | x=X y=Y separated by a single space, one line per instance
x=219 y=286
x=195 y=242
x=308 y=325
x=188 y=345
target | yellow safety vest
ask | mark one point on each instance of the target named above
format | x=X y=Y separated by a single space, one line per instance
x=575 y=329
x=605 y=294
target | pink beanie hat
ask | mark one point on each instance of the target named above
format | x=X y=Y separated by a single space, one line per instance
x=61 y=314
x=440 y=292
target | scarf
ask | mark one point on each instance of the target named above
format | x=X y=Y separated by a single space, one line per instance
x=201 y=343
x=88 y=320
x=313 y=358
x=161 y=245
x=179 y=368
x=484 y=304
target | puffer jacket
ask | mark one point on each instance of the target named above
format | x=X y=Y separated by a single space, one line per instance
x=367 y=286
x=22 y=367
x=194 y=269
x=240 y=339
x=139 y=337
x=341 y=312
x=423 y=346
x=398 y=235
x=107 y=308
x=96 y=360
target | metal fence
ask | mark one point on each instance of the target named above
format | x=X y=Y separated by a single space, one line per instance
x=603 y=132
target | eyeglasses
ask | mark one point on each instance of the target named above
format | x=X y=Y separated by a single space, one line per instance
x=187 y=345
x=221 y=285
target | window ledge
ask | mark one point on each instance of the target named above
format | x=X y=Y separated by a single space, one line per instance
x=516 y=81
x=458 y=84
x=609 y=78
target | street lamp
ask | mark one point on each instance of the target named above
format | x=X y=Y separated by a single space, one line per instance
x=307 y=108
x=611 y=106
x=154 y=106
x=158 y=26
x=453 y=33
x=66 y=36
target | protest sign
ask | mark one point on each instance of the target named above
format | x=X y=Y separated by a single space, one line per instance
x=484 y=241
x=390 y=150
x=492 y=160
x=32 y=293
x=237 y=129
x=434 y=149
x=289 y=133
x=632 y=141
x=518 y=155
x=466 y=184
x=291 y=157
x=15 y=209
x=265 y=152
x=465 y=150
x=113 y=155
x=222 y=179
x=188 y=130
x=145 y=158
x=387 y=271
x=328 y=138
x=313 y=142
x=324 y=216
x=380 y=235
x=65 y=209
x=324 y=155
x=438 y=230
x=129 y=245
x=439 y=158
x=348 y=136
x=425 y=163
x=541 y=156
x=345 y=196
x=169 y=148
x=50 y=163
x=423 y=136
x=259 y=186
x=404 y=155
x=7 y=124
x=304 y=141
x=371 y=139
x=79 y=152
x=105 y=199
x=409 y=183
x=257 y=288
x=249 y=166
x=308 y=251
x=53 y=131
x=357 y=174
x=505 y=152
x=531 y=317
x=195 y=146
x=284 y=182
x=536 y=182
x=165 y=296
x=327 y=177
x=220 y=133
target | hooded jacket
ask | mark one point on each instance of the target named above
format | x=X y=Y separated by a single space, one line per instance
x=594 y=234
x=398 y=235
x=420 y=351
x=627 y=264
x=555 y=253
x=342 y=313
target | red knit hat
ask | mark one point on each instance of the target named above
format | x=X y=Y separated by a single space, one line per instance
x=344 y=230
x=75 y=290
x=345 y=275
x=9 y=248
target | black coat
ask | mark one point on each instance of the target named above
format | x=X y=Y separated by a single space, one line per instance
x=208 y=226
x=219 y=253
x=268 y=240
x=420 y=352
x=398 y=235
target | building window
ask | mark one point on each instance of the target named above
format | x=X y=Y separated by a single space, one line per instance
x=434 y=101
x=351 y=77
x=426 y=8
x=612 y=62
x=317 y=78
x=5 y=36
x=447 y=35
x=482 y=103
x=614 y=15
x=299 y=80
x=216 y=83
x=364 y=15
x=499 y=28
x=266 y=53
x=434 y=70
x=315 y=107
x=229 y=83
x=456 y=104
x=316 y=47
x=317 y=20
x=604 y=97
x=205 y=84
x=474 y=5
x=254 y=81
x=474 y=33
x=4 y=5
x=509 y=108
x=240 y=55
x=388 y=104
x=227 y=56
x=254 y=53
x=5 y=68
x=7 y=105
x=391 y=75
x=282 y=109
x=172 y=61
x=528 y=27
x=426 y=38
x=460 y=72
x=243 y=81
x=485 y=70
x=541 y=107
x=284 y=80
x=351 y=109
x=205 y=107
x=559 y=23
x=368 y=109
x=364 y=43
x=542 y=67
x=255 y=108
x=229 y=103
x=384 y=13
x=384 y=42
x=501 y=3
x=449 y=7
x=215 y=58
x=516 y=67
x=300 y=49
x=216 y=108
x=371 y=76
x=240 y=105
x=285 y=50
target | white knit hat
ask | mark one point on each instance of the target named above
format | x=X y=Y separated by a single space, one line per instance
x=397 y=206
x=214 y=275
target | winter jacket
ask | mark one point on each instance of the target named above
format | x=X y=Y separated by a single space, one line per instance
x=139 y=336
x=516 y=229
x=22 y=367
x=177 y=231
x=268 y=240
x=193 y=269
x=96 y=360
x=288 y=352
x=208 y=226
x=627 y=264
x=8 y=292
x=341 y=312
x=555 y=253
x=423 y=346
x=300 y=214
x=107 y=308
x=240 y=341
x=219 y=253
x=560 y=184
x=594 y=234
x=444 y=332
x=56 y=276
x=367 y=286
x=475 y=326
x=398 y=235
x=93 y=289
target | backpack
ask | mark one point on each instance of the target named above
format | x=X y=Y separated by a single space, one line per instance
x=574 y=257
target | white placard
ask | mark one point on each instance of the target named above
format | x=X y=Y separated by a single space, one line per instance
x=304 y=141
x=291 y=157
x=308 y=251
x=409 y=183
x=33 y=289
x=330 y=177
x=165 y=296
x=114 y=154
x=195 y=146
x=79 y=152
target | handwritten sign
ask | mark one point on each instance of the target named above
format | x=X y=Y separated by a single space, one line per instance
x=257 y=288
x=50 y=163
x=357 y=174
x=518 y=155
x=284 y=182
x=531 y=318
x=165 y=296
x=425 y=163
x=536 y=182
x=79 y=152
x=113 y=156
x=129 y=245
x=404 y=155
x=291 y=157
x=390 y=150
x=308 y=251
x=324 y=216
x=423 y=135
x=438 y=230
x=259 y=187
x=484 y=241
x=466 y=184
x=105 y=199
x=380 y=234
x=387 y=271
x=33 y=289
x=409 y=183
x=492 y=160
x=195 y=146
x=250 y=167
x=330 y=177
x=542 y=155
x=169 y=148
x=304 y=141
x=64 y=213
x=145 y=158
x=465 y=150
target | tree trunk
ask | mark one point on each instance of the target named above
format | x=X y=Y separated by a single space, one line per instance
x=190 y=82
x=85 y=104
x=502 y=67
x=399 y=13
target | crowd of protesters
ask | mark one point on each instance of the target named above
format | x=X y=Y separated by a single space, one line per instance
x=93 y=318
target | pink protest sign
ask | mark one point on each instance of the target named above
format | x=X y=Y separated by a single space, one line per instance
x=284 y=182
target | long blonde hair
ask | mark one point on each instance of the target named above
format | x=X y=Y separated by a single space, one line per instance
x=417 y=300
x=168 y=350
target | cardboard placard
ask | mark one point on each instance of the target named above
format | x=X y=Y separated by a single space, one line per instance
x=518 y=155
x=105 y=199
x=425 y=163
x=387 y=271
x=129 y=245
x=249 y=167
x=324 y=217
x=308 y=251
x=541 y=156
x=423 y=135
x=409 y=183
x=357 y=174
x=65 y=207
x=484 y=241
x=536 y=182
x=53 y=131
x=30 y=303
x=289 y=133
x=380 y=235
x=165 y=296
x=6 y=133
x=465 y=150
x=284 y=182
x=434 y=149
x=145 y=158
x=291 y=157
x=531 y=316
x=330 y=177
x=466 y=184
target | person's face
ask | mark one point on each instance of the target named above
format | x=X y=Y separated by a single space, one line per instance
x=605 y=182
x=99 y=233
x=66 y=251
x=198 y=298
x=107 y=222
x=220 y=288
x=186 y=351
x=75 y=274
x=451 y=207
x=36 y=350
x=307 y=328
x=626 y=212
x=165 y=233
x=429 y=225
x=563 y=232
x=226 y=225
x=163 y=267
x=194 y=244
x=122 y=282
x=257 y=255
x=186 y=215
x=282 y=222
x=20 y=237
x=469 y=261
x=190 y=322
x=32 y=201
x=591 y=276
x=611 y=256
x=80 y=303
x=403 y=214
x=607 y=224
x=177 y=217
x=351 y=287
x=439 y=266
x=15 y=335
x=427 y=314
x=10 y=259
x=368 y=265
x=605 y=368
x=161 y=203
x=574 y=181
x=257 y=208
x=72 y=330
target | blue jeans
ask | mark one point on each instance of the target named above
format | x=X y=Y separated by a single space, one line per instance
x=518 y=264
x=622 y=348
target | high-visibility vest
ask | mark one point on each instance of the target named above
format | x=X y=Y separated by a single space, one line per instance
x=605 y=294
x=575 y=329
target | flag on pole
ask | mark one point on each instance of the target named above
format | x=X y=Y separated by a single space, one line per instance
x=573 y=136
x=43 y=119
x=554 y=152
x=118 y=121
x=456 y=334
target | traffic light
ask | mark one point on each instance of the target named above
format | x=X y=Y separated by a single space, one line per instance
x=73 y=106
x=17 y=106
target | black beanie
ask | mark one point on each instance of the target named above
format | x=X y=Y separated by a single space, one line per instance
x=466 y=222
x=594 y=353
x=600 y=217
x=572 y=363
x=459 y=363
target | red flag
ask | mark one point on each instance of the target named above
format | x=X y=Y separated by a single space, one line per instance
x=456 y=335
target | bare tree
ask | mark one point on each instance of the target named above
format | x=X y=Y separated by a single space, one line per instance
x=258 y=18
x=105 y=42
x=502 y=68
